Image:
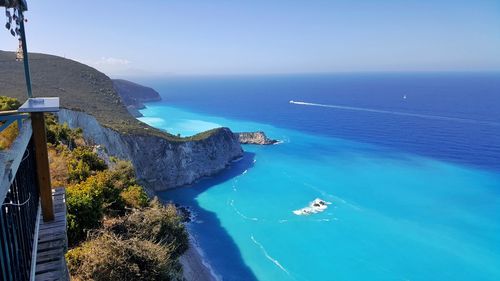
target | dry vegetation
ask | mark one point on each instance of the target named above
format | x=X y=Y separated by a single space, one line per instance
x=9 y=134
x=115 y=232
x=58 y=164
x=108 y=257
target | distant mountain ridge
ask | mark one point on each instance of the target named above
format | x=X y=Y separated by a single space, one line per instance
x=133 y=95
x=79 y=87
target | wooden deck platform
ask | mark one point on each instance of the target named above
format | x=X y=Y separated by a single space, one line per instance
x=53 y=243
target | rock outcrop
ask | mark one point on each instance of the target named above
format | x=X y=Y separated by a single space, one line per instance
x=254 y=138
x=161 y=163
x=134 y=95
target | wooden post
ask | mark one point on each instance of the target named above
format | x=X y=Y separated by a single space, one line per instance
x=42 y=164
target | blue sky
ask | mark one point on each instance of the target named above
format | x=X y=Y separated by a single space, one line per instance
x=121 y=37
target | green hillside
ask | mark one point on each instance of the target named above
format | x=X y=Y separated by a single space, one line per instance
x=80 y=87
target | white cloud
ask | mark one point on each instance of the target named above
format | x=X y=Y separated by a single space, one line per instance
x=111 y=61
x=110 y=65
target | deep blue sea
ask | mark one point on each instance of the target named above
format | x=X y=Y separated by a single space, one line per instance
x=410 y=163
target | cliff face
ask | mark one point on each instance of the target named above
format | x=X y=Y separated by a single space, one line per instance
x=159 y=162
x=92 y=103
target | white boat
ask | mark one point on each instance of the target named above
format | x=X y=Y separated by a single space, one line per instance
x=316 y=206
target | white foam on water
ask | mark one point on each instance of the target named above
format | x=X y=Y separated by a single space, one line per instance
x=275 y=261
x=313 y=208
x=153 y=121
x=231 y=203
x=234 y=185
x=197 y=125
x=237 y=159
x=427 y=116
x=334 y=198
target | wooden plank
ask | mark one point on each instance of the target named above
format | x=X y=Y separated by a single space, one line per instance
x=53 y=227
x=56 y=268
x=60 y=223
x=42 y=165
x=56 y=237
x=51 y=255
x=48 y=276
x=52 y=243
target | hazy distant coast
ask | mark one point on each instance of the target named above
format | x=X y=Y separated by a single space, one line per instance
x=134 y=95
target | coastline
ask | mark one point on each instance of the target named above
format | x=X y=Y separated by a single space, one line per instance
x=194 y=266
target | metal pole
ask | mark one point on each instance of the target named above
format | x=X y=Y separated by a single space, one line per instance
x=25 y=55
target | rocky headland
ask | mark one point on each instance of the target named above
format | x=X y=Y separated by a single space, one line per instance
x=90 y=101
x=161 y=163
x=254 y=138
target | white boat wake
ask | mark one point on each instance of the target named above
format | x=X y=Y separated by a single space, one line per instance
x=427 y=116
x=231 y=203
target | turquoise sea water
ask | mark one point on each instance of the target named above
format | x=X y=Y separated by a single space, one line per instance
x=395 y=215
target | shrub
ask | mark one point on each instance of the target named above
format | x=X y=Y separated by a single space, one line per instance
x=135 y=197
x=123 y=174
x=106 y=192
x=84 y=207
x=107 y=257
x=8 y=103
x=157 y=223
x=91 y=158
x=78 y=170
x=88 y=201
x=58 y=164
x=9 y=134
x=84 y=162
x=62 y=133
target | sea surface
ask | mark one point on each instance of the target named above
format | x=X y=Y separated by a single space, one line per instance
x=410 y=163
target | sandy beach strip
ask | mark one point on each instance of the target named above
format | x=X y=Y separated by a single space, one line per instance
x=193 y=265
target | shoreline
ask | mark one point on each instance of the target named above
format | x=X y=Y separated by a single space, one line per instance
x=194 y=266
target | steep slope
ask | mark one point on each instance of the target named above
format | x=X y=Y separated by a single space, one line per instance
x=91 y=102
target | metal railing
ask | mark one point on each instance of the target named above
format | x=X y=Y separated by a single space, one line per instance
x=18 y=221
x=20 y=209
